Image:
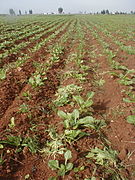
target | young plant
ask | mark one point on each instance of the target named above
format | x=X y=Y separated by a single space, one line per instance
x=131 y=95
x=73 y=135
x=72 y=120
x=128 y=78
x=36 y=81
x=105 y=157
x=85 y=105
x=55 y=145
x=27 y=95
x=62 y=168
x=131 y=119
x=64 y=94
x=24 y=108
x=118 y=66
x=2 y=74
x=75 y=74
x=100 y=82
x=20 y=142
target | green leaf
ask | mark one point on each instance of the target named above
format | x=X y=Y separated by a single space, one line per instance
x=103 y=157
x=2 y=74
x=12 y=123
x=88 y=103
x=1 y=146
x=12 y=140
x=69 y=167
x=62 y=114
x=75 y=114
x=78 y=99
x=53 y=164
x=73 y=134
x=31 y=81
x=93 y=178
x=52 y=178
x=67 y=156
x=85 y=121
x=90 y=95
x=89 y=121
x=131 y=119
x=62 y=170
x=126 y=100
x=66 y=124
x=31 y=143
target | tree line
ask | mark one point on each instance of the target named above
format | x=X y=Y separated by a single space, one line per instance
x=117 y=12
x=12 y=12
x=60 y=11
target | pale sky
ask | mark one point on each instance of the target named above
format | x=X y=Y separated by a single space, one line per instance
x=73 y=6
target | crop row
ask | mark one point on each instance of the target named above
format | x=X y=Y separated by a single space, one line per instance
x=13 y=81
x=16 y=51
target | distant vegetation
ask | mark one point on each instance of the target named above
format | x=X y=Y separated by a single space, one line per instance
x=61 y=11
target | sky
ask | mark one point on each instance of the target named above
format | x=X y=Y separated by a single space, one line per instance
x=72 y=6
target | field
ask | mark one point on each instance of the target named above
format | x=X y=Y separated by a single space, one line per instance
x=67 y=97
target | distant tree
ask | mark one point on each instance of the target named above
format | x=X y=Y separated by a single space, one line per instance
x=131 y=12
x=107 y=11
x=30 y=11
x=103 y=12
x=20 y=13
x=117 y=12
x=25 y=12
x=11 y=12
x=60 y=10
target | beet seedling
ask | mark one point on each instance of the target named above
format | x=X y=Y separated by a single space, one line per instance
x=85 y=105
x=62 y=168
x=65 y=94
x=73 y=120
x=105 y=157
x=36 y=81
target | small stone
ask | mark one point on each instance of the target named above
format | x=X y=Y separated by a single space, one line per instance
x=19 y=68
x=8 y=170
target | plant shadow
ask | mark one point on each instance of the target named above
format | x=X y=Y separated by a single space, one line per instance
x=101 y=107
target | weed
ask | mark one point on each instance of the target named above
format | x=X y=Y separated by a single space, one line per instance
x=24 y=108
x=20 y=142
